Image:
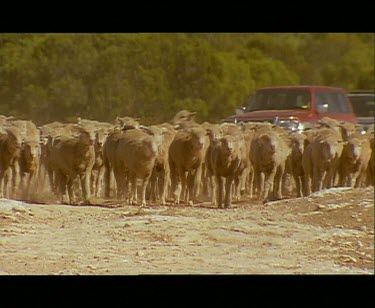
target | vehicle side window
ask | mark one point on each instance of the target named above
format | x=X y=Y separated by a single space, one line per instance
x=336 y=102
x=363 y=105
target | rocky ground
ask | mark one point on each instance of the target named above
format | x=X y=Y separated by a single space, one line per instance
x=330 y=232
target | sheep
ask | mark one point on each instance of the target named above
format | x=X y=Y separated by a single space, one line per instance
x=110 y=153
x=294 y=162
x=101 y=130
x=98 y=167
x=109 y=161
x=135 y=156
x=320 y=160
x=10 y=149
x=126 y=122
x=226 y=156
x=160 y=178
x=183 y=116
x=29 y=164
x=268 y=153
x=186 y=154
x=354 y=161
x=71 y=157
x=344 y=128
x=213 y=132
x=28 y=130
x=245 y=173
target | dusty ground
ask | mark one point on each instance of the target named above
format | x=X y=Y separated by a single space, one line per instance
x=331 y=232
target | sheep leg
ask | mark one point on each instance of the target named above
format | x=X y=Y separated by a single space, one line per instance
x=119 y=177
x=228 y=191
x=85 y=183
x=277 y=195
x=29 y=183
x=181 y=182
x=153 y=184
x=299 y=185
x=188 y=186
x=328 y=180
x=15 y=179
x=268 y=185
x=213 y=190
x=107 y=179
x=133 y=194
x=52 y=183
x=144 y=186
x=2 y=183
x=62 y=182
x=258 y=182
x=317 y=179
x=219 y=190
x=251 y=183
x=69 y=185
x=99 y=181
x=196 y=181
x=358 y=178
x=164 y=185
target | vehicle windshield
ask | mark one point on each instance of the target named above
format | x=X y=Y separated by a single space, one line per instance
x=280 y=100
x=363 y=105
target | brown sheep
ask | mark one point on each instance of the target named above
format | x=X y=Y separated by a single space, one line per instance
x=126 y=122
x=294 y=162
x=245 y=173
x=110 y=154
x=27 y=129
x=186 y=154
x=344 y=128
x=10 y=149
x=354 y=161
x=98 y=168
x=72 y=157
x=183 y=116
x=268 y=153
x=29 y=164
x=226 y=156
x=48 y=133
x=243 y=169
x=160 y=178
x=109 y=162
x=213 y=133
x=135 y=156
x=320 y=160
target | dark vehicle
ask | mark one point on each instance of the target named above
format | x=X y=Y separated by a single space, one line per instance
x=363 y=104
x=295 y=107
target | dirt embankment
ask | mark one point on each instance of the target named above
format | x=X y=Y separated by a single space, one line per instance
x=330 y=232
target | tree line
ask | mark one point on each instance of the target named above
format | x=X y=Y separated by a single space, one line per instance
x=57 y=77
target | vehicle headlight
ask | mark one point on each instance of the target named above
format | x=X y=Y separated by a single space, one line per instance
x=292 y=123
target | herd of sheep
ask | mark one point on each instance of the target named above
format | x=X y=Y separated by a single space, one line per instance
x=181 y=161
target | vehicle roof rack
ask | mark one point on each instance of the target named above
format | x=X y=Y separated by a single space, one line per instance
x=361 y=91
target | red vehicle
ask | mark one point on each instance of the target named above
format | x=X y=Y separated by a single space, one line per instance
x=295 y=106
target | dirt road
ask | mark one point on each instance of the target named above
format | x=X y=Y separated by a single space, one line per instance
x=330 y=232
